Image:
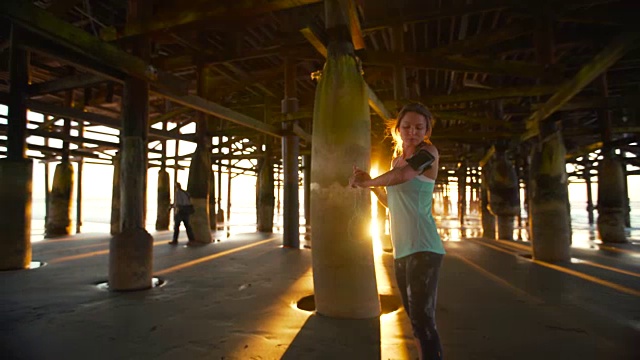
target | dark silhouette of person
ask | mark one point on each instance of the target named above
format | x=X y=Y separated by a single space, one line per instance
x=182 y=210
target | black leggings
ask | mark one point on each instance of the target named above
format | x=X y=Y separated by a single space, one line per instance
x=417 y=277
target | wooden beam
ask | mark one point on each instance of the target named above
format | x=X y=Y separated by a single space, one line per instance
x=583 y=150
x=170 y=21
x=349 y=8
x=446 y=12
x=312 y=35
x=68 y=83
x=169 y=115
x=459 y=134
x=301 y=133
x=47 y=149
x=500 y=93
x=211 y=108
x=374 y=102
x=599 y=64
x=289 y=47
x=454 y=115
x=483 y=40
x=484 y=65
x=487 y=156
x=72 y=113
x=596 y=102
x=377 y=105
x=78 y=44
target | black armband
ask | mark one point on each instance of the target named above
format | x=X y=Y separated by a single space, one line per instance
x=421 y=160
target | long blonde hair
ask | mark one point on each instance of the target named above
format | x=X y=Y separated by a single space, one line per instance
x=393 y=126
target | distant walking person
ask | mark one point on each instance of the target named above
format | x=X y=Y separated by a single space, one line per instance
x=182 y=210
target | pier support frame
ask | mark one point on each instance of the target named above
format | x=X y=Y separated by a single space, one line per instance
x=16 y=170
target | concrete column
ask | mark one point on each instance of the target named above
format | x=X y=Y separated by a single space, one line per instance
x=198 y=189
x=611 y=200
x=266 y=199
x=343 y=267
x=488 y=220
x=15 y=170
x=549 y=216
x=504 y=197
x=131 y=251
x=59 y=219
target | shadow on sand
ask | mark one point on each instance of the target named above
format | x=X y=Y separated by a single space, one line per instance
x=323 y=337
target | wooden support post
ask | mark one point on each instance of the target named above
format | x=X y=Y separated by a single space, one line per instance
x=219 y=211
x=19 y=79
x=79 y=185
x=488 y=220
x=265 y=197
x=164 y=192
x=131 y=251
x=229 y=173
x=306 y=184
x=16 y=170
x=462 y=193
x=66 y=130
x=290 y=152
x=200 y=171
x=587 y=179
x=343 y=266
x=611 y=194
x=115 y=196
x=47 y=191
x=399 y=75
x=627 y=207
x=213 y=222
x=59 y=219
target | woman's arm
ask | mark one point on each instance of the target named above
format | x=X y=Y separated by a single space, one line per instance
x=395 y=176
x=381 y=194
x=399 y=174
x=360 y=175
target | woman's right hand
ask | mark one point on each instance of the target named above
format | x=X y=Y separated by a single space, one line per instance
x=358 y=177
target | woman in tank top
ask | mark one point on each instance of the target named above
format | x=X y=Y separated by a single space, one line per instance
x=417 y=247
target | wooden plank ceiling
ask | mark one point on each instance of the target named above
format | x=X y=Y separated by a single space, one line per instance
x=488 y=69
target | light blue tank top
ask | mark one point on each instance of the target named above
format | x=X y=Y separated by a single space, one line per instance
x=413 y=228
